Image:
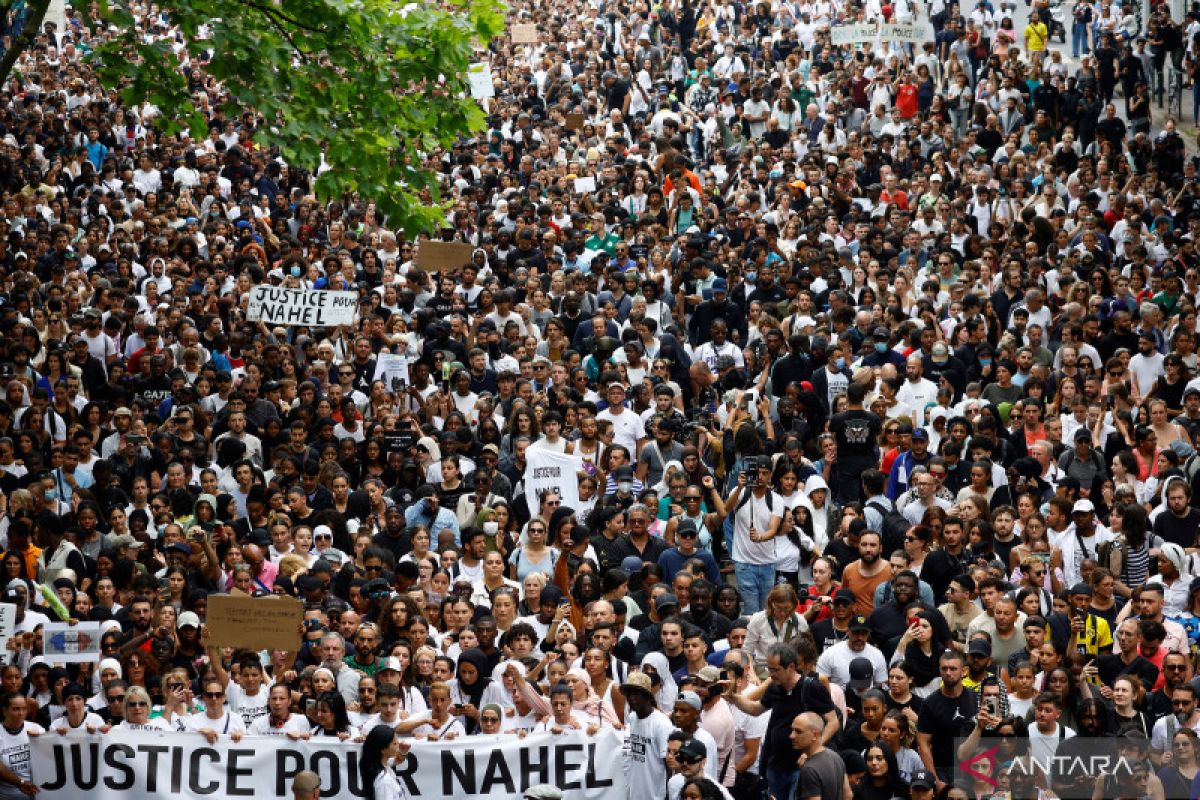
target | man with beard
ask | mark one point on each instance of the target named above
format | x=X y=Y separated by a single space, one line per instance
x=1077 y=762
x=867 y=573
x=947 y=714
x=836 y=663
x=1184 y=714
x=714 y=625
x=1127 y=660
x=889 y=621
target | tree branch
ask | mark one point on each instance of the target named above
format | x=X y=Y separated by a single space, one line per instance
x=29 y=32
x=276 y=14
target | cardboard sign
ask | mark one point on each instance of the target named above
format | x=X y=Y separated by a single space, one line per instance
x=256 y=623
x=8 y=627
x=311 y=307
x=525 y=34
x=436 y=256
x=585 y=184
x=573 y=122
x=908 y=32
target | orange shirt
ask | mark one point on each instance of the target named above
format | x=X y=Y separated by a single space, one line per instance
x=863 y=587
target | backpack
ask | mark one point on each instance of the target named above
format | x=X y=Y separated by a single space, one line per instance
x=1105 y=550
x=893 y=527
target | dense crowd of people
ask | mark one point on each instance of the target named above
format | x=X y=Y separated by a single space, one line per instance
x=879 y=361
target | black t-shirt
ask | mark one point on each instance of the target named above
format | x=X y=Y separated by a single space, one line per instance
x=1111 y=666
x=809 y=694
x=825 y=635
x=946 y=719
x=1177 y=530
x=856 y=431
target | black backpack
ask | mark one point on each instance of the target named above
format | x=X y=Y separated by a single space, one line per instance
x=894 y=526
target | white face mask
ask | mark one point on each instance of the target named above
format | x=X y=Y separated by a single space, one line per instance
x=625 y=486
x=491 y=527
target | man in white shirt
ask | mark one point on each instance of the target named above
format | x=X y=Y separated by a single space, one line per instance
x=1147 y=365
x=917 y=392
x=835 y=662
x=628 y=430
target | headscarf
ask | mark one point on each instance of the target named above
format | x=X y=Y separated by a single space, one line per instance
x=1176 y=555
x=370 y=763
x=592 y=705
x=667 y=690
x=105 y=663
x=473 y=692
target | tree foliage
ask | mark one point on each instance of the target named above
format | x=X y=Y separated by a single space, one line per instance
x=373 y=85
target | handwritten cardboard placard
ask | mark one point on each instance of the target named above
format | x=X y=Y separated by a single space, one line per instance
x=573 y=122
x=256 y=623
x=525 y=34
x=436 y=256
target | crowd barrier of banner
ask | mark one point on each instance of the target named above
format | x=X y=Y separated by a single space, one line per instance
x=906 y=32
x=150 y=765
x=311 y=307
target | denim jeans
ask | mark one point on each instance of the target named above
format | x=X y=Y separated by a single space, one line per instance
x=780 y=784
x=754 y=581
x=1079 y=39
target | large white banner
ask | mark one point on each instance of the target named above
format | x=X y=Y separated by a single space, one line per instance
x=907 y=32
x=152 y=765
x=545 y=469
x=312 y=307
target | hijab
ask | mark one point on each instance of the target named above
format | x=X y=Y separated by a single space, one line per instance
x=667 y=691
x=473 y=692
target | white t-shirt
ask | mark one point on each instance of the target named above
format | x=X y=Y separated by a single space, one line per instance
x=627 y=428
x=645 y=765
x=755 y=512
x=14 y=754
x=454 y=725
x=295 y=723
x=249 y=707
x=229 y=723
x=834 y=664
x=1043 y=746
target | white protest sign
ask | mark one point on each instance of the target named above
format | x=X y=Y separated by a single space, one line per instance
x=480 y=77
x=8 y=627
x=585 y=184
x=64 y=643
x=158 y=765
x=906 y=32
x=392 y=369
x=545 y=470
x=311 y=307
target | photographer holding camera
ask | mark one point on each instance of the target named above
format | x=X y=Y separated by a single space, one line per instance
x=757 y=515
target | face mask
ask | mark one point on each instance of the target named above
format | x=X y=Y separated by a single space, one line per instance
x=840 y=363
x=52 y=494
x=295 y=272
x=490 y=528
x=751 y=277
x=625 y=486
x=985 y=362
x=880 y=347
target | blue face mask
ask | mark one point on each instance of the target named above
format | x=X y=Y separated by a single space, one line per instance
x=751 y=277
x=840 y=363
x=985 y=362
x=295 y=272
x=880 y=347
x=51 y=494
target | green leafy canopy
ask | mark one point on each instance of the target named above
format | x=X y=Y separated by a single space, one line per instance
x=375 y=85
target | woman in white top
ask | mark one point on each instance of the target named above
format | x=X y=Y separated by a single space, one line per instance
x=78 y=718
x=216 y=720
x=137 y=713
x=381 y=752
x=15 y=758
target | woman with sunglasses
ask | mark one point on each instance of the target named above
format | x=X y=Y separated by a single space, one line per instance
x=136 y=711
x=216 y=720
x=535 y=555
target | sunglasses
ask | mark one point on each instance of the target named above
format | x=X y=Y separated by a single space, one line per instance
x=214 y=694
x=138 y=704
x=118 y=699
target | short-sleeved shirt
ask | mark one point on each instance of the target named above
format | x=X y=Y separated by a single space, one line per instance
x=646 y=766
x=823 y=775
x=809 y=694
x=945 y=719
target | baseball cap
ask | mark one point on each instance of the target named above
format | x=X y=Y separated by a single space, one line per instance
x=922 y=779
x=979 y=647
x=667 y=600
x=1083 y=506
x=844 y=595
x=691 y=698
x=861 y=672
x=637 y=682
x=390 y=663
x=859 y=623
x=187 y=618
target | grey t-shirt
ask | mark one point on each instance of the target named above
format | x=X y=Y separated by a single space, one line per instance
x=823 y=776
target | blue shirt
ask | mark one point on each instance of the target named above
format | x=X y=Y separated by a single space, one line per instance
x=418 y=514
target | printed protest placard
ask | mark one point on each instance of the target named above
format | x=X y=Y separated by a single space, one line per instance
x=310 y=307
x=392 y=369
x=480 y=77
x=525 y=34
x=545 y=469
x=71 y=644
x=256 y=623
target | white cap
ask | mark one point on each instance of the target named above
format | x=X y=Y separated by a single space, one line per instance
x=1083 y=506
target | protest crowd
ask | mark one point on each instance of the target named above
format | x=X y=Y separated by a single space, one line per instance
x=812 y=415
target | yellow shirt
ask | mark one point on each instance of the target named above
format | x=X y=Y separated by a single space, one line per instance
x=1035 y=36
